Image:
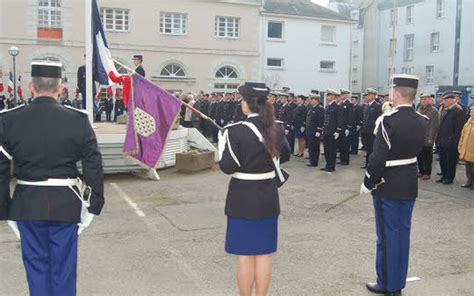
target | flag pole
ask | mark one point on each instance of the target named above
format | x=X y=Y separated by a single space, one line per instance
x=89 y=79
x=196 y=111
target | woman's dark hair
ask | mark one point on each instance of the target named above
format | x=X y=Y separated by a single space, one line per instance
x=266 y=116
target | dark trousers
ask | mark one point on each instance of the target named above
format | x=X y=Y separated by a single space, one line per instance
x=369 y=140
x=425 y=160
x=314 y=147
x=470 y=173
x=343 y=144
x=448 y=160
x=330 y=151
x=355 y=141
x=393 y=224
x=98 y=116
x=188 y=124
x=49 y=251
x=108 y=115
x=290 y=137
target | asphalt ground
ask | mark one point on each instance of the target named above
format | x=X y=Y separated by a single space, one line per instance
x=167 y=238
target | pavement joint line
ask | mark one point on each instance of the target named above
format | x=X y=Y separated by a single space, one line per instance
x=128 y=200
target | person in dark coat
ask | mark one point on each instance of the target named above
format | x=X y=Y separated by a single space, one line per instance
x=344 y=141
x=49 y=209
x=299 y=120
x=3 y=100
x=314 y=129
x=357 y=124
x=425 y=159
x=332 y=130
x=285 y=115
x=372 y=111
x=391 y=177
x=137 y=61
x=81 y=84
x=449 y=132
x=108 y=107
x=250 y=151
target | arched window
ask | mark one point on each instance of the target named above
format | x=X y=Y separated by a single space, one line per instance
x=173 y=70
x=227 y=72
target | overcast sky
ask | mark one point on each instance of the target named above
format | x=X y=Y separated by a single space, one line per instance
x=321 y=2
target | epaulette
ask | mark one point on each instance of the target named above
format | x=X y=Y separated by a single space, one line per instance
x=232 y=124
x=77 y=110
x=12 y=109
x=379 y=123
x=422 y=115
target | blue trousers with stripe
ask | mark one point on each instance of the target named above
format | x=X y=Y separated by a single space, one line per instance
x=49 y=251
x=393 y=223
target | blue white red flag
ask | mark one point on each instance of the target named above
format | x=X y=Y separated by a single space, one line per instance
x=10 y=84
x=19 y=88
x=103 y=63
x=1 y=82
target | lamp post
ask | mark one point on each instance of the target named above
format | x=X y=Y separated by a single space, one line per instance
x=14 y=51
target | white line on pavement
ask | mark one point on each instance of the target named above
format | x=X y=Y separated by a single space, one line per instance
x=130 y=202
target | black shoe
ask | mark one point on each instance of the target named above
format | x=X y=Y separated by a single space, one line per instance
x=311 y=165
x=439 y=174
x=323 y=169
x=344 y=163
x=447 y=182
x=440 y=180
x=372 y=287
x=363 y=167
x=466 y=185
x=329 y=170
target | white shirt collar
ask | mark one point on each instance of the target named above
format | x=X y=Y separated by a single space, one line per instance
x=252 y=115
x=404 y=105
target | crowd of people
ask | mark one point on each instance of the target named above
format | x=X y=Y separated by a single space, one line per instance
x=341 y=121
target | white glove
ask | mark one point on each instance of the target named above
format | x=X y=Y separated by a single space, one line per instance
x=358 y=128
x=336 y=136
x=222 y=140
x=86 y=220
x=302 y=129
x=347 y=133
x=292 y=127
x=14 y=226
x=287 y=132
x=364 y=190
x=318 y=134
x=222 y=121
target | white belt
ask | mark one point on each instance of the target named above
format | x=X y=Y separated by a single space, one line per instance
x=400 y=162
x=254 y=177
x=52 y=182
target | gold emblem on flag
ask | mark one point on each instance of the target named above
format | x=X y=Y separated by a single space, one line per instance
x=145 y=124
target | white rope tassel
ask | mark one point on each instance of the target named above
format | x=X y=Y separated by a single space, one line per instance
x=385 y=136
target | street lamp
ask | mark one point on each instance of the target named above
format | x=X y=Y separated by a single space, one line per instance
x=14 y=51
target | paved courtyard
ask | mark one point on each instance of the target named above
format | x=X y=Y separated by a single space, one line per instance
x=167 y=238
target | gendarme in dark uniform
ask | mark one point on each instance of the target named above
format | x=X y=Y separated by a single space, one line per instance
x=392 y=178
x=138 y=60
x=372 y=111
x=332 y=130
x=252 y=203
x=314 y=129
x=45 y=140
x=344 y=140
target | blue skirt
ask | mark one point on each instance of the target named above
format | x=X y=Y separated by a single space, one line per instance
x=248 y=237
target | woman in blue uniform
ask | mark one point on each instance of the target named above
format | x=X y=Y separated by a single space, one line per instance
x=251 y=151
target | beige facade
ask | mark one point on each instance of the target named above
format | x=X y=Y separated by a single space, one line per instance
x=195 y=49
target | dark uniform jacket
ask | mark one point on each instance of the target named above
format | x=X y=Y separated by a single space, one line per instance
x=315 y=121
x=333 y=119
x=140 y=70
x=405 y=131
x=358 y=115
x=371 y=113
x=299 y=119
x=450 y=128
x=252 y=199
x=46 y=140
x=285 y=115
x=348 y=115
x=238 y=114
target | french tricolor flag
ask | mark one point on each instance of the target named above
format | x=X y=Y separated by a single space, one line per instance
x=10 y=84
x=104 y=67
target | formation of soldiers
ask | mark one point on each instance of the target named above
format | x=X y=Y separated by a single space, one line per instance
x=337 y=119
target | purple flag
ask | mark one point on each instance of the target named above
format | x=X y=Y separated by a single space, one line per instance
x=152 y=112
